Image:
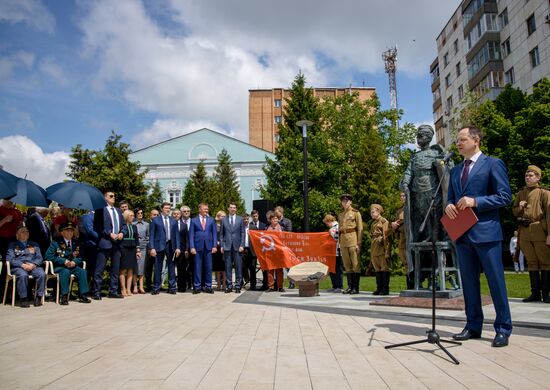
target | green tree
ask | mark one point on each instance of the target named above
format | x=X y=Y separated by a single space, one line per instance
x=199 y=189
x=284 y=173
x=226 y=185
x=110 y=169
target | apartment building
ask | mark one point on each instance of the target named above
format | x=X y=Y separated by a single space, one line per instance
x=265 y=111
x=485 y=45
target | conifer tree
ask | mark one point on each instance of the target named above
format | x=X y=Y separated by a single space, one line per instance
x=226 y=185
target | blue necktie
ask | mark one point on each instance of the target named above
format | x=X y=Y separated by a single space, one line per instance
x=115 y=221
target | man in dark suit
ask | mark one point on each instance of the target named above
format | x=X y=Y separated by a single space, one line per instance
x=181 y=261
x=110 y=227
x=164 y=241
x=202 y=243
x=256 y=224
x=39 y=230
x=188 y=258
x=89 y=239
x=481 y=183
x=232 y=246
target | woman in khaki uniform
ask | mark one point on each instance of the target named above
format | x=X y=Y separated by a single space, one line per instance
x=379 y=250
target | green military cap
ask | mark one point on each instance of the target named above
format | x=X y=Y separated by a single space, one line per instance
x=534 y=168
x=378 y=207
x=346 y=197
x=66 y=225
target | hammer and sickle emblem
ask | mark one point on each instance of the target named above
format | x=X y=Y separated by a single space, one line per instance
x=267 y=243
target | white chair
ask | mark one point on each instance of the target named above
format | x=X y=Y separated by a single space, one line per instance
x=11 y=278
x=50 y=274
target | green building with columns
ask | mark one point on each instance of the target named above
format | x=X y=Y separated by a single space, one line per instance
x=171 y=162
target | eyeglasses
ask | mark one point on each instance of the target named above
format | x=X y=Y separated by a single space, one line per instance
x=111 y=196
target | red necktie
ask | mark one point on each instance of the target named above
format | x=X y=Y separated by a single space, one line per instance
x=203 y=223
x=465 y=173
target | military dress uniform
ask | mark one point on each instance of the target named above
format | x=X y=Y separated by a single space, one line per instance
x=379 y=251
x=28 y=252
x=534 y=221
x=402 y=245
x=59 y=253
x=351 y=234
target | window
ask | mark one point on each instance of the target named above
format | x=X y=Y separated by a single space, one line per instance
x=175 y=198
x=278 y=119
x=458 y=70
x=277 y=103
x=535 y=59
x=505 y=46
x=455 y=44
x=460 y=92
x=531 y=26
x=449 y=106
x=448 y=80
x=503 y=18
x=509 y=77
x=446 y=59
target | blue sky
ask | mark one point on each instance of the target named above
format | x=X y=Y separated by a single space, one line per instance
x=73 y=70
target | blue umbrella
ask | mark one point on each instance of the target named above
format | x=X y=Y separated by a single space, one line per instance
x=8 y=184
x=29 y=194
x=76 y=195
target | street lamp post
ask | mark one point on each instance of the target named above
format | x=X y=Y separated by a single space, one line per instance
x=304 y=124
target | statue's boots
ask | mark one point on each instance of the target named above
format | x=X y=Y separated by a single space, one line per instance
x=410 y=281
x=385 y=283
x=349 y=277
x=378 y=283
x=545 y=285
x=534 y=276
x=356 y=280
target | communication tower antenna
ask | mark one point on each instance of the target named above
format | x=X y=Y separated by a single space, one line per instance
x=390 y=65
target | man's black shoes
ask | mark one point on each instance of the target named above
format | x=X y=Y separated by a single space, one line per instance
x=155 y=292
x=467 y=334
x=227 y=290
x=64 y=300
x=96 y=297
x=84 y=299
x=37 y=301
x=237 y=290
x=24 y=303
x=500 y=340
x=118 y=296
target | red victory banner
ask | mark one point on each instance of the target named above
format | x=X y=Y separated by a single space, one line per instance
x=285 y=249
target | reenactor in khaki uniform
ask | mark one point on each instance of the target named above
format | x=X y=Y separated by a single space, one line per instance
x=351 y=235
x=398 y=231
x=379 y=249
x=532 y=208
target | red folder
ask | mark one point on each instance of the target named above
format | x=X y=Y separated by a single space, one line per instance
x=457 y=227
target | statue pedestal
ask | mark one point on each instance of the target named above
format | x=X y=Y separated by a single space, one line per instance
x=446 y=270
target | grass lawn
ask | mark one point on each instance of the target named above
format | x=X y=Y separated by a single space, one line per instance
x=517 y=284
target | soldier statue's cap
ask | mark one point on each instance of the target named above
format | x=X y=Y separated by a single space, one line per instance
x=377 y=207
x=534 y=168
x=426 y=129
x=346 y=197
x=66 y=225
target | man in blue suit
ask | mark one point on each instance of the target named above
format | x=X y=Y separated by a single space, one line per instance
x=232 y=245
x=110 y=227
x=481 y=183
x=202 y=243
x=164 y=241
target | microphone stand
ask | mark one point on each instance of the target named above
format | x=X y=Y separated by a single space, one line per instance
x=432 y=335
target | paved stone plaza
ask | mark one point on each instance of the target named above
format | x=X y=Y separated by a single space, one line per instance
x=260 y=341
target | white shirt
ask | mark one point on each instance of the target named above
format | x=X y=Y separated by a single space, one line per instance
x=113 y=212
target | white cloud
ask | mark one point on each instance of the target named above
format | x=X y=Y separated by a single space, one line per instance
x=49 y=67
x=16 y=60
x=189 y=61
x=30 y=12
x=163 y=129
x=20 y=156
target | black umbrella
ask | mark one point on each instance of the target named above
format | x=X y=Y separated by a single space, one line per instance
x=29 y=194
x=8 y=184
x=76 y=195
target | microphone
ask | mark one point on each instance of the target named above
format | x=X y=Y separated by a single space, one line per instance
x=447 y=158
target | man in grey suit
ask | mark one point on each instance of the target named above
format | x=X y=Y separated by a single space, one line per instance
x=232 y=238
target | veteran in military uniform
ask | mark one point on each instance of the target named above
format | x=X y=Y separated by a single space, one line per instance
x=380 y=250
x=64 y=253
x=26 y=260
x=532 y=209
x=351 y=235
